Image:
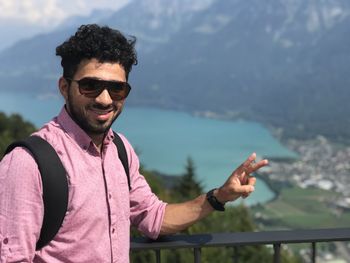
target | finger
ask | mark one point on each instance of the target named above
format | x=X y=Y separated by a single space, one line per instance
x=248 y=179
x=250 y=160
x=244 y=189
x=246 y=164
x=253 y=167
x=243 y=178
x=259 y=164
x=251 y=180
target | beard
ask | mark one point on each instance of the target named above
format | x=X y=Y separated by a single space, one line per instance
x=96 y=127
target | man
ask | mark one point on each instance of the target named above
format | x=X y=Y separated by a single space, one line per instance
x=96 y=63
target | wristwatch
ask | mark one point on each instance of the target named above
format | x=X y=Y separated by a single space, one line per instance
x=213 y=201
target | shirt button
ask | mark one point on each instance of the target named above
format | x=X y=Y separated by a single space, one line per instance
x=113 y=230
x=110 y=196
x=5 y=241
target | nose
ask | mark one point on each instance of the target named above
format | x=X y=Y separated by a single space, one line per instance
x=104 y=98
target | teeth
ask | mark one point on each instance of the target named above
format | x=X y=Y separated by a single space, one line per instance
x=101 y=111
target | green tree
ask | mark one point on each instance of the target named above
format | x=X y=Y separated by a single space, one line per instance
x=188 y=186
x=13 y=128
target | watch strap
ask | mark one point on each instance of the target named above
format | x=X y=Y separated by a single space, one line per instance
x=213 y=201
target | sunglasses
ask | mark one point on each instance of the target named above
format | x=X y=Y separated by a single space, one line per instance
x=92 y=88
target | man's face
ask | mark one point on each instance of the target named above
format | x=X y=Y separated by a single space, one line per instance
x=94 y=115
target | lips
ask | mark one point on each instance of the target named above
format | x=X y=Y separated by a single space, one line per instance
x=101 y=114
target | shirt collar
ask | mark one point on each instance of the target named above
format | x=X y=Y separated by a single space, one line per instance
x=77 y=133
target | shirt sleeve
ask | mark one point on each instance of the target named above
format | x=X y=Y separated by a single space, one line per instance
x=146 y=210
x=21 y=206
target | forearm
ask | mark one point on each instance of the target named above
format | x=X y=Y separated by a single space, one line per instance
x=180 y=216
x=240 y=184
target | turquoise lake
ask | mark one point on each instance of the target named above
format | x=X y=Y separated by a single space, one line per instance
x=165 y=139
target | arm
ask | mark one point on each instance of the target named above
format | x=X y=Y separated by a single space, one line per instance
x=239 y=184
x=21 y=207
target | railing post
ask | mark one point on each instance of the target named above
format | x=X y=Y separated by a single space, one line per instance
x=197 y=255
x=277 y=253
x=313 y=252
x=158 y=259
x=235 y=255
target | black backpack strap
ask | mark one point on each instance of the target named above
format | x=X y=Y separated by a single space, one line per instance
x=122 y=156
x=54 y=182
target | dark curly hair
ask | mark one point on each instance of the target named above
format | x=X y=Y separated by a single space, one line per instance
x=93 y=41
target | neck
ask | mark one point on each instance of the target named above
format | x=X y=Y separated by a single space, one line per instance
x=97 y=139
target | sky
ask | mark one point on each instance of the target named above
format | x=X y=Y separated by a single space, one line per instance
x=24 y=18
x=48 y=12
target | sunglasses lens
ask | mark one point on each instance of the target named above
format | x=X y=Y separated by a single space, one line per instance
x=118 y=90
x=91 y=88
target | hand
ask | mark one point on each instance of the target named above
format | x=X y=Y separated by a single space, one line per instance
x=240 y=183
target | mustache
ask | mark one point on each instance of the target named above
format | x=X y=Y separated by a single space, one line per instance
x=99 y=106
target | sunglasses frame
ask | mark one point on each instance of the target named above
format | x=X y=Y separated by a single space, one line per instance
x=115 y=88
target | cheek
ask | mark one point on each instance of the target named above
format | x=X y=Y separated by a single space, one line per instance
x=118 y=108
x=76 y=98
x=75 y=101
x=119 y=105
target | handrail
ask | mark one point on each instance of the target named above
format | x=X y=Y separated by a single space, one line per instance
x=276 y=238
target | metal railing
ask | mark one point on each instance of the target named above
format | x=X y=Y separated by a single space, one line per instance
x=235 y=240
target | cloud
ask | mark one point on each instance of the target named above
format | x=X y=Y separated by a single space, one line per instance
x=52 y=12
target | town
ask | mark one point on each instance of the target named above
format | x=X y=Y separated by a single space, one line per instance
x=320 y=164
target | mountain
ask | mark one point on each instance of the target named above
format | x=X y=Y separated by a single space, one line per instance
x=95 y=16
x=157 y=21
x=12 y=30
x=282 y=63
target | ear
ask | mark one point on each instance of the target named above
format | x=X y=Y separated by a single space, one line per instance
x=64 y=87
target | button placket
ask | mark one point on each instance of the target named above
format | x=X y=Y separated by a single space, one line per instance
x=111 y=204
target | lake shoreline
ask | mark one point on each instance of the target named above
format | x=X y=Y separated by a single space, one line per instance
x=217 y=146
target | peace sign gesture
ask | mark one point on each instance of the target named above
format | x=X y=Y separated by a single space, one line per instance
x=241 y=182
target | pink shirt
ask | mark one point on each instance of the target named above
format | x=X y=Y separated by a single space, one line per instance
x=96 y=227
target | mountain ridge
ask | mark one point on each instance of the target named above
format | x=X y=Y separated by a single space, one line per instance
x=282 y=63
